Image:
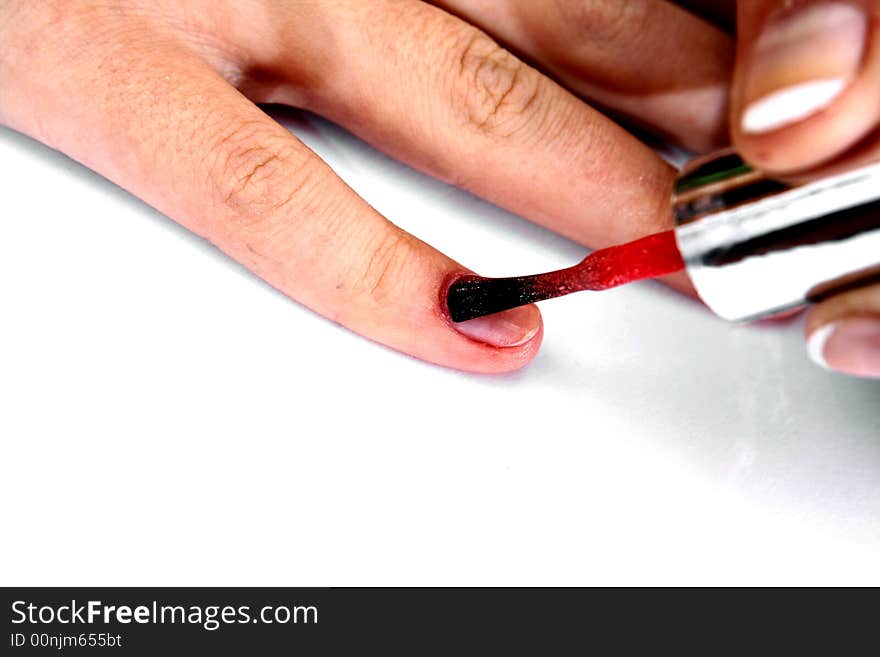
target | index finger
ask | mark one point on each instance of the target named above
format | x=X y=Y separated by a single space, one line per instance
x=159 y=121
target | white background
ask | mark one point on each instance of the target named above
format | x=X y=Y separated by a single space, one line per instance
x=167 y=418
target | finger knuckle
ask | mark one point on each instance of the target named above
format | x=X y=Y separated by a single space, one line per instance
x=604 y=21
x=494 y=92
x=258 y=174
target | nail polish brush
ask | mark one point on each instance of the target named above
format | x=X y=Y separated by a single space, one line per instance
x=752 y=245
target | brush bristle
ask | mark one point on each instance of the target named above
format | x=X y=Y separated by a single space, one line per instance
x=656 y=255
x=473 y=296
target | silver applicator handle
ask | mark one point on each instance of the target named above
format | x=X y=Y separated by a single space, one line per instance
x=755 y=246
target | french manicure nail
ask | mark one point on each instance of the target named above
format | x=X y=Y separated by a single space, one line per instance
x=850 y=346
x=510 y=328
x=816 y=344
x=801 y=63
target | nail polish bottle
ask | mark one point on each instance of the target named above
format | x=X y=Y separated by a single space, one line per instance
x=755 y=246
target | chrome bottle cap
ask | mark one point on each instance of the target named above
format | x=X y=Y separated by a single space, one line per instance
x=755 y=246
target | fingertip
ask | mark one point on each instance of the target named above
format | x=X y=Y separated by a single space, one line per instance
x=789 y=105
x=498 y=342
x=815 y=141
x=798 y=61
x=803 y=89
x=849 y=346
x=843 y=333
x=501 y=342
x=510 y=328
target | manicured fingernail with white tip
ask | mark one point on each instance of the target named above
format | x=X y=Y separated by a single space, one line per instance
x=803 y=60
x=850 y=346
x=816 y=344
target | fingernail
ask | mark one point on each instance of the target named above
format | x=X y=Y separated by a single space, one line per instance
x=510 y=328
x=804 y=58
x=816 y=344
x=850 y=346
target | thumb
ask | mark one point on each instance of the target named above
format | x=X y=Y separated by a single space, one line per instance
x=806 y=81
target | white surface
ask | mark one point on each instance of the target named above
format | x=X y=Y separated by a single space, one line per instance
x=166 y=418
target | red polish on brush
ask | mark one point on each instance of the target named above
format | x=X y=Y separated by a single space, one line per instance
x=752 y=245
x=656 y=255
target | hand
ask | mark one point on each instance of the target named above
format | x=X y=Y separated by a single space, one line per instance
x=806 y=100
x=158 y=96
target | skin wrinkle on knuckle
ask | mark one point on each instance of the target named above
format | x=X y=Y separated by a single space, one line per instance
x=604 y=21
x=494 y=93
x=257 y=176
